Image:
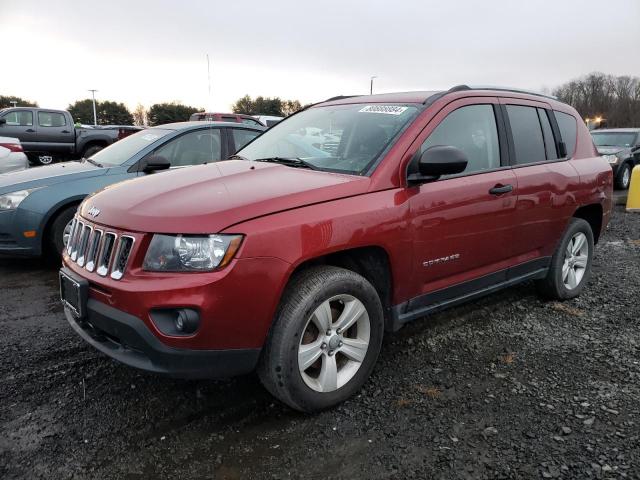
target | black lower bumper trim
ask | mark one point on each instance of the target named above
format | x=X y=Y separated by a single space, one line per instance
x=127 y=339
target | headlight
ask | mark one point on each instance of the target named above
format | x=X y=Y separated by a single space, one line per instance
x=10 y=201
x=190 y=253
x=611 y=158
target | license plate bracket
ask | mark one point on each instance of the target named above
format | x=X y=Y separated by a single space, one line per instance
x=74 y=294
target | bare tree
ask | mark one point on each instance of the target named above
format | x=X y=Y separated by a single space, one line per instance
x=615 y=99
x=140 y=115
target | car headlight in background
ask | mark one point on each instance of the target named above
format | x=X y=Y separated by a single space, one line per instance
x=10 y=201
x=612 y=159
x=190 y=253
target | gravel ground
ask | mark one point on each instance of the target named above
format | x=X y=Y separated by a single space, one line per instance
x=506 y=387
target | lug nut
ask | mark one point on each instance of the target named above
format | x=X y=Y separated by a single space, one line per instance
x=323 y=346
x=339 y=331
x=328 y=333
x=340 y=344
x=330 y=352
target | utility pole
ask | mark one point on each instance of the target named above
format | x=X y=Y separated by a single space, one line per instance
x=371 y=85
x=93 y=94
x=210 y=106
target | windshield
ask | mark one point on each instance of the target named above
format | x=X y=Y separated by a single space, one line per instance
x=338 y=138
x=614 y=139
x=121 y=151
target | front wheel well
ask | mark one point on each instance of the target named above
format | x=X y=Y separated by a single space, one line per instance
x=592 y=214
x=52 y=218
x=371 y=262
x=94 y=143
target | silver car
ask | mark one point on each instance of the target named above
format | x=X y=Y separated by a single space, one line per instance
x=12 y=158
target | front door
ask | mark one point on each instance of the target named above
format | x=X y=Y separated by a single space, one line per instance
x=463 y=225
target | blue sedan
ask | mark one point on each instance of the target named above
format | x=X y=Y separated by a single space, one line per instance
x=37 y=205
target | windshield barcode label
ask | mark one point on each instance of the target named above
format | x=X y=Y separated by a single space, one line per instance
x=386 y=109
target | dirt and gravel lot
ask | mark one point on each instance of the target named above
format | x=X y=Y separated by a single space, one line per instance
x=506 y=387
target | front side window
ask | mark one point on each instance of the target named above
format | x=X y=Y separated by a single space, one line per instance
x=526 y=131
x=19 y=119
x=338 y=138
x=568 y=131
x=193 y=148
x=242 y=136
x=473 y=130
x=51 y=119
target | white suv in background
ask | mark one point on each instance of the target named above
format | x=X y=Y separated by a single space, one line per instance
x=12 y=157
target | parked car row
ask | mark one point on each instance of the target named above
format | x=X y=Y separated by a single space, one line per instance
x=621 y=148
x=342 y=222
x=261 y=120
x=37 y=205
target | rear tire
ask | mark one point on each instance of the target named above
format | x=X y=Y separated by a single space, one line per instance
x=92 y=150
x=623 y=178
x=342 y=359
x=570 y=266
x=55 y=238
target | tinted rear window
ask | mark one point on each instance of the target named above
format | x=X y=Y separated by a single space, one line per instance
x=527 y=134
x=568 y=131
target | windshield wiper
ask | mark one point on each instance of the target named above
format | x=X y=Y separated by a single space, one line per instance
x=289 y=162
x=237 y=157
x=93 y=162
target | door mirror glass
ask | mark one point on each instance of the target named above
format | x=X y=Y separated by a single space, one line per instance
x=3 y=121
x=437 y=161
x=154 y=163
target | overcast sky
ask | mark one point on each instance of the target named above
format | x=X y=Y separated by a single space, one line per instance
x=155 y=51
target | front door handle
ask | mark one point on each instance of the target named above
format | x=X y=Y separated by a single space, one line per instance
x=29 y=130
x=65 y=131
x=500 y=189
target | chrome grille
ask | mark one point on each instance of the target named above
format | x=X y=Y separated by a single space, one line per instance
x=94 y=249
x=104 y=258
x=122 y=256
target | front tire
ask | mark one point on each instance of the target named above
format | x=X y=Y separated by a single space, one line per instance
x=324 y=341
x=59 y=231
x=570 y=266
x=623 y=178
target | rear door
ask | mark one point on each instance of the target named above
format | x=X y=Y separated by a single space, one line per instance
x=20 y=124
x=545 y=181
x=54 y=132
x=462 y=225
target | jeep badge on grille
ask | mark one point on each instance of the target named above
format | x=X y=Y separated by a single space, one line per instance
x=94 y=212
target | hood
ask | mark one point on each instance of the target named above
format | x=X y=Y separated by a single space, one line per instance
x=209 y=198
x=610 y=150
x=48 y=175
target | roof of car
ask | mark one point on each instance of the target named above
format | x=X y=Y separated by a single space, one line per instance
x=194 y=124
x=619 y=130
x=428 y=96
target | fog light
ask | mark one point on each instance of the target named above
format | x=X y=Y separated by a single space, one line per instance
x=176 y=321
x=187 y=320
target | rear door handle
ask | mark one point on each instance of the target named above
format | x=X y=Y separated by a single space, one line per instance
x=29 y=130
x=500 y=189
x=65 y=131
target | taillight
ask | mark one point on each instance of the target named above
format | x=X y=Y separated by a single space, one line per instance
x=14 y=147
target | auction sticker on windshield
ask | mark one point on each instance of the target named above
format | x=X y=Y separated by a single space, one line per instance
x=386 y=109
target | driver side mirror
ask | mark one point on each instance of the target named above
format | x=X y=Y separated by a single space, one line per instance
x=154 y=163
x=3 y=121
x=437 y=161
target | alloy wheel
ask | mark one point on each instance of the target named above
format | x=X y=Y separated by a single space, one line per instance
x=576 y=258
x=334 y=343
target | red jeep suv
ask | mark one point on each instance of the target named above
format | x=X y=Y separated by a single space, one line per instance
x=346 y=220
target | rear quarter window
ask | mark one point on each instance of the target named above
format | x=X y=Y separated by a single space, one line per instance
x=568 y=131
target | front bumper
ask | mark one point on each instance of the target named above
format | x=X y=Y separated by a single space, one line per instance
x=126 y=338
x=12 y=225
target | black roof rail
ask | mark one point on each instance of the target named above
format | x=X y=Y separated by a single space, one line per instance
x=459 y=88
x=339 y=97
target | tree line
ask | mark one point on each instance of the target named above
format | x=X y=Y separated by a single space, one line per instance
x=615 y=99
